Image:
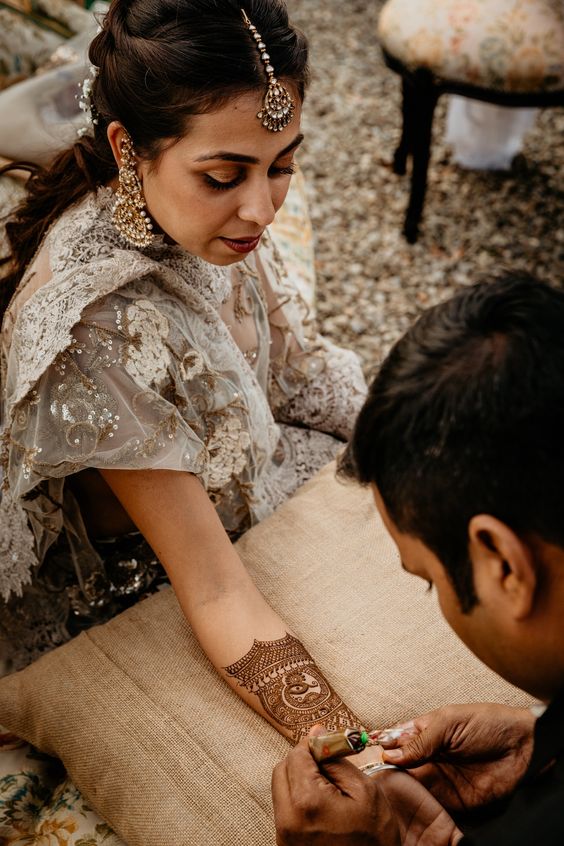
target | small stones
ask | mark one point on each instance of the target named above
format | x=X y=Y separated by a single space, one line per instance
x=371 y=284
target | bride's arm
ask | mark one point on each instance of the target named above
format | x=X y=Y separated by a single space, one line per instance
x=251 y=647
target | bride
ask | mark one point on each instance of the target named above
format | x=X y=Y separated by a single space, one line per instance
x=163 y=387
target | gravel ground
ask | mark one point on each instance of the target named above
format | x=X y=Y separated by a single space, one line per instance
x=371 y=283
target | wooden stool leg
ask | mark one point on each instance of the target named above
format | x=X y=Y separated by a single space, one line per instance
x=426 y=96
x=405 y=147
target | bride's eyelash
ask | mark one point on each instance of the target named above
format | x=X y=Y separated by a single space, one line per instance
x=284 y=171
x=218 y=185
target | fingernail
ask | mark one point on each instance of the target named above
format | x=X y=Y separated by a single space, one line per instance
x=403 y=728
x=317 y=730
x=393 y=755
x=387 y=737
x=390 y=735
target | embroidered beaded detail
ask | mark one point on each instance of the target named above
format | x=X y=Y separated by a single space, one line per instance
x=278 y=107
x=122 y=359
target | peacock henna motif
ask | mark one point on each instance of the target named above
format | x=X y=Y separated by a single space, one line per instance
x=291 y=689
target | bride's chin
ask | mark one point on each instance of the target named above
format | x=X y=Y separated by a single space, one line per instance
x=223 y=261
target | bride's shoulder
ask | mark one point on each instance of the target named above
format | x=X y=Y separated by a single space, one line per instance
x=84 y=233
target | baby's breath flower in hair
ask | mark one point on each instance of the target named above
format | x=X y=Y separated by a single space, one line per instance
x=85 y=103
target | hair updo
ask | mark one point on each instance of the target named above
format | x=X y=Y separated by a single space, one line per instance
x=162 y=61
x=159 y=63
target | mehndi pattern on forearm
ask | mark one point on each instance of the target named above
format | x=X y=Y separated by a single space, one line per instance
x=290 y=687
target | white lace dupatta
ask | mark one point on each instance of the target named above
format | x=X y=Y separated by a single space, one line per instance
x=88 y=262
x=115 y=328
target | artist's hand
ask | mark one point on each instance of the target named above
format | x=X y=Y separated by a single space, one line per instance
x=467 y=755
x=338 y=805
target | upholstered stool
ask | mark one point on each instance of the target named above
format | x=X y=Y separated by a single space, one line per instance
x=507 y=52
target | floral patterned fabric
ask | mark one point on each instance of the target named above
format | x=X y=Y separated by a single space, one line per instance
x=32 y=30
x=293 y=235
x=510 y=45
x=39 y=806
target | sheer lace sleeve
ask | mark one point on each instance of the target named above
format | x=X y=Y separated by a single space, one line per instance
x=312 y=381
x=329 y=398
x=126 y=393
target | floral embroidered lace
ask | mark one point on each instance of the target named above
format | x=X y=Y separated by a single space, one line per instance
x=114 y=357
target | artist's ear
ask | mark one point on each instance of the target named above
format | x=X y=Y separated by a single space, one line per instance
x=115 y=138
x=505 y=574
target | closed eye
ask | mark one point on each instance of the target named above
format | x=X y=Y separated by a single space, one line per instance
x=220 y=185
x=282 y=171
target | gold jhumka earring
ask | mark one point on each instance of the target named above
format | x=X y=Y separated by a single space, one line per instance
x=129 y=215
x=278 y=107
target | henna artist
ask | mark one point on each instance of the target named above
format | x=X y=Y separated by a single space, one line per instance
x=473 y=395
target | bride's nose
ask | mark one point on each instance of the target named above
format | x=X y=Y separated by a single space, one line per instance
x=257 y=203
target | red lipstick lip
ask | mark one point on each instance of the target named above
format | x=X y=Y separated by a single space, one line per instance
x=242 y=245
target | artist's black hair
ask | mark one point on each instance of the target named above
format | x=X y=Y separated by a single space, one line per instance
x=466 y=416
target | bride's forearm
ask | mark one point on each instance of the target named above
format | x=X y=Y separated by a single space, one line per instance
x=246 y=640
x=272 y=670
x=286 y=686
x=258 y=655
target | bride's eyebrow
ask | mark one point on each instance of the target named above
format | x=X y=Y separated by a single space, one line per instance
x=240 y=159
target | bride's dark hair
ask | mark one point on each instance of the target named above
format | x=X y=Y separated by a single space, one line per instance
x=160 y=62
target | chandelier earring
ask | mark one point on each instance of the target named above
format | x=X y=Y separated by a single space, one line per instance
x=129 y=215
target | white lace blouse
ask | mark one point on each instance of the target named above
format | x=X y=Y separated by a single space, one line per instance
x=114 y=357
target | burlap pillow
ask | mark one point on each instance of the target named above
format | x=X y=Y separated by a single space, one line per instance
x=166 y=752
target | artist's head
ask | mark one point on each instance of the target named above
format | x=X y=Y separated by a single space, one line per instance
x=185 y=79
x=462 y=438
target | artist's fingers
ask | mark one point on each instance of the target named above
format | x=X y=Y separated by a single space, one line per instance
x=347 y=778
x=421 y=746
x=390 y=737
x=280 y=786
x=288 y=814
x=304 y=776
x=297 y=778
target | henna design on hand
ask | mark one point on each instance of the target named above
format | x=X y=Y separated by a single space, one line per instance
x=291 y=689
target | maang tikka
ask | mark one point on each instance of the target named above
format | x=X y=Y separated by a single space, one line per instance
x=129 y=215
x=278 y=106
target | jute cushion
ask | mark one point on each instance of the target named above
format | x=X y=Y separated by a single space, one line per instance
x=166 y=752
x=510 y=45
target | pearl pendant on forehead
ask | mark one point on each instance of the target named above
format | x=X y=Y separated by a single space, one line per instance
x=278 y=106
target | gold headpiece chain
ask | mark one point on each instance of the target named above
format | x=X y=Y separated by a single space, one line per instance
x=278 y=107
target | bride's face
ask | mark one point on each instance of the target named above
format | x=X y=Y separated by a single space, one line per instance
x=214 y=191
